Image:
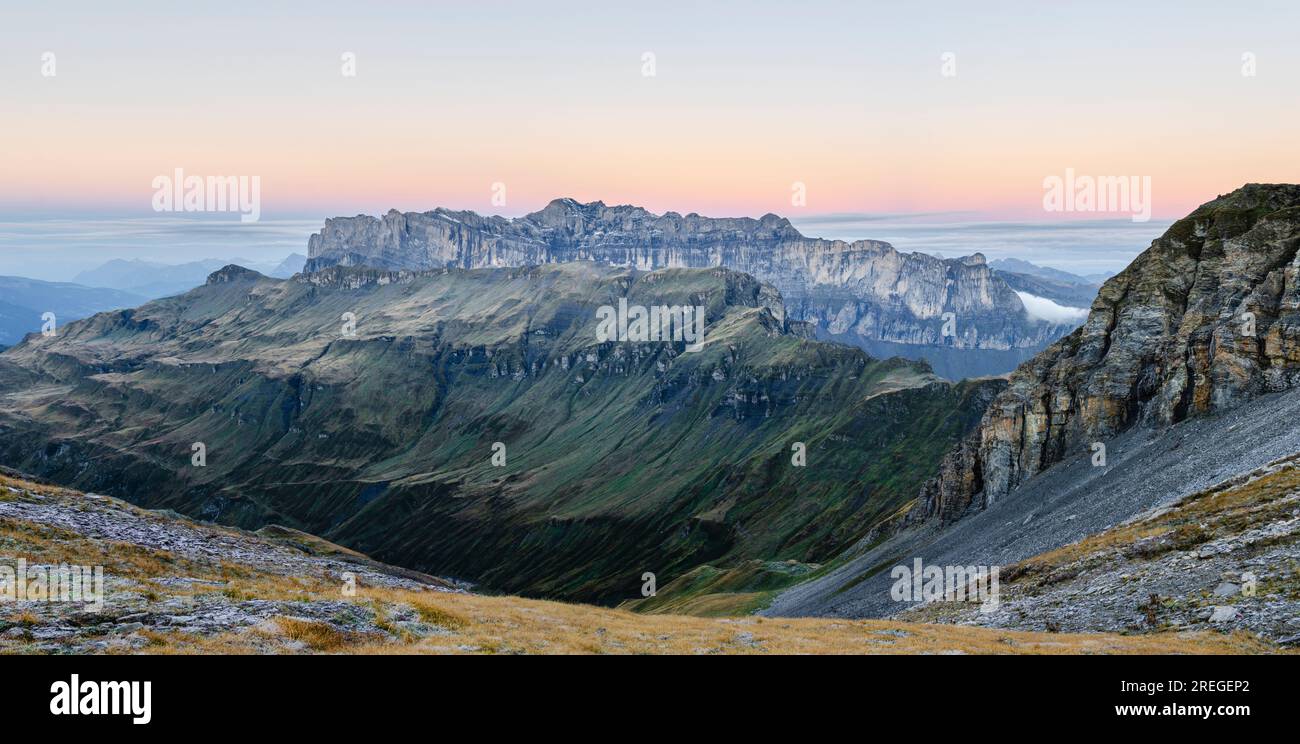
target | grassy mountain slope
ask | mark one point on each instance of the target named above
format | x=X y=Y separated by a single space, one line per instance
x=621 y=458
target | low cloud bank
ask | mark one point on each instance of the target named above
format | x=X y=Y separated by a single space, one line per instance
x=1045 y=309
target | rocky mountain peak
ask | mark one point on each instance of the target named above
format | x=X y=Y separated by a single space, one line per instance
x=232 y=273
x=562 y=213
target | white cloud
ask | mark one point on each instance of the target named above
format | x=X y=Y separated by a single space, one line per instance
x=1045 y=309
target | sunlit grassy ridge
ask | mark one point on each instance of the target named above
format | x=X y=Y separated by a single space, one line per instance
x=712 y=592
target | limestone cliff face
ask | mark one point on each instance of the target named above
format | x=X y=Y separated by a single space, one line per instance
x=1206 y=317
x=863 y=289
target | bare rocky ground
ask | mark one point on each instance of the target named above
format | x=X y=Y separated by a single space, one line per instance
x=1226 y=559
x=213 y=579
x=1074 y=503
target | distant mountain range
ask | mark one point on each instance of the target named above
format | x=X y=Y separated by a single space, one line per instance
x=1017 y=266
x=24 y=301
x=965 y=317
x=957 y=314
x=114 y=285
x=1062 y=288
x=289 y=266
x=151 y=280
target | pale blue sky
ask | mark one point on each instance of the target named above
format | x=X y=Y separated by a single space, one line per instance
x=549 y=99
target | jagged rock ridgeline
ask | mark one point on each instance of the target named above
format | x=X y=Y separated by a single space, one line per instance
x=1202 y=320
x=859 y=291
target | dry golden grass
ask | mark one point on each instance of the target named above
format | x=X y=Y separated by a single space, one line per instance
x=510 y=625
x=25 y=619
x=433 y=613
x=317 y=635
x=7 y=482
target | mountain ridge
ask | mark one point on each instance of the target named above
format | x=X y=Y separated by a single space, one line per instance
x=620 y=457
x=861 y=291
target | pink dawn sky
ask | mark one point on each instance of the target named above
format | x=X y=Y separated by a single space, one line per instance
x=849 y=99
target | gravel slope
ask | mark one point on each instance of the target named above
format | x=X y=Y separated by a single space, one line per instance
x=1145 y=469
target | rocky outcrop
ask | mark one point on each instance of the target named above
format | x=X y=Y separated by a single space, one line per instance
x=861 y=290
x=1202 y=320
x=166 y=580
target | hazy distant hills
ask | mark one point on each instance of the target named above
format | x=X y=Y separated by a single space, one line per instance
x=289 y=266
x=23 y=301
x=15 y=322
x=1061 y=287
x=864 y=292
x=147 y=278
x=1017 y=266
x=151 y=280
x=618 y=458
x=116 y=284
